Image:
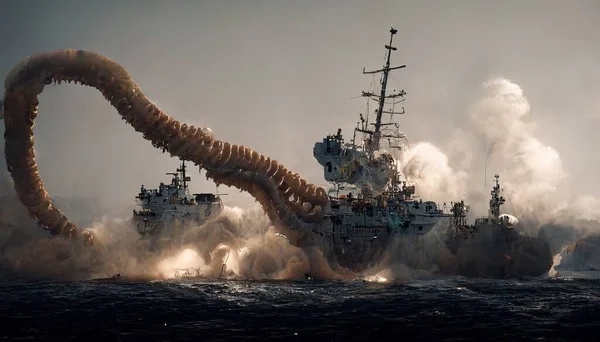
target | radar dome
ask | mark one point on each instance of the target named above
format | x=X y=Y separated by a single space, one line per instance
x=511 y=219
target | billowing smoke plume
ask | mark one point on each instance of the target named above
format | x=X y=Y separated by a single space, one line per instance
x=428 y=166
x=498 y=136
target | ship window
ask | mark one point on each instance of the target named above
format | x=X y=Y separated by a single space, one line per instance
x=420 y=227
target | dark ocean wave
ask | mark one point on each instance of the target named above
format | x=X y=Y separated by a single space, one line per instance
x=195 y=310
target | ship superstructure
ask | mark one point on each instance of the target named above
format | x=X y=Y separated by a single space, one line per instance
x=370 y=202
x=494 y=246
x=172 y=205
x=494 y=226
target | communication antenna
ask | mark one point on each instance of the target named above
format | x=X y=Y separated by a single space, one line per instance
x=487 y=157
x=376 y=132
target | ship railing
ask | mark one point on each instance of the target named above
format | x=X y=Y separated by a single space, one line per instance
x=143 y=213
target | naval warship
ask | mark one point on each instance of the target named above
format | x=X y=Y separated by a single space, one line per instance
x=162 y=212
x=495 y=246
x=370 y=202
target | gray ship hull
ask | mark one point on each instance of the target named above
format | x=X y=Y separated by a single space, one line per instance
x=358 y=253
x=493 y=251
x=351 y=246
x=165 y=213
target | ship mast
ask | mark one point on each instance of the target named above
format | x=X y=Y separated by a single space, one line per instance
x=376 y=133
x=496 y=201
x=184 y=178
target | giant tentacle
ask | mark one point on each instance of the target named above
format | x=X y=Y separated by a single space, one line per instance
x=284 y=195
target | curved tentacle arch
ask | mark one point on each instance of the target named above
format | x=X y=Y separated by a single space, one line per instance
x=285 y=196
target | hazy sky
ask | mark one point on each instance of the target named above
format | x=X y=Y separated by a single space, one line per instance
x=277 y=76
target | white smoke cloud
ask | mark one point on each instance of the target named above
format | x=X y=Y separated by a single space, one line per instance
x=498 y=135
x=428 y=166
x=532 y=171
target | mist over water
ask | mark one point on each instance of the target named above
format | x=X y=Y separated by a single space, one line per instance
x=497 y=135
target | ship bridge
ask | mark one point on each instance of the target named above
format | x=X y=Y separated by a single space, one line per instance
x=174 y=202
x=174 y=194
x=340 y=163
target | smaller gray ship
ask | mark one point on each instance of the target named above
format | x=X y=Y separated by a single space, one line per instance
x=165 y=211
x=494 y=246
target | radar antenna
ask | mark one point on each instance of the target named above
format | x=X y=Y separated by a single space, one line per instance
x=184 y=178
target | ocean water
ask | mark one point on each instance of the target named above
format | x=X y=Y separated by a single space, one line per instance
x=203 y=310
